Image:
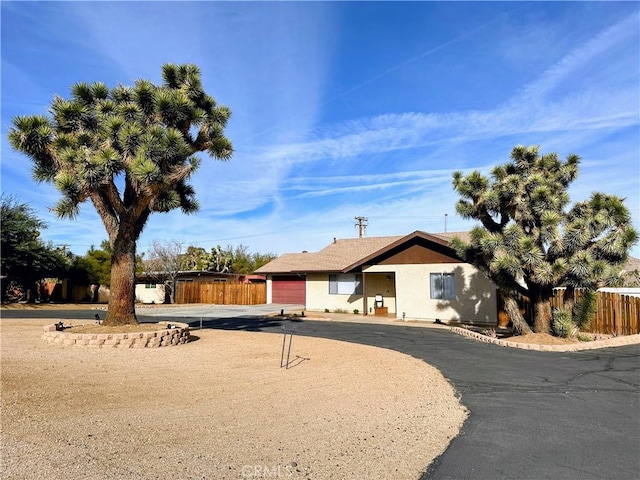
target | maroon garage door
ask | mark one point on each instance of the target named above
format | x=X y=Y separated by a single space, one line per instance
x=289 y=289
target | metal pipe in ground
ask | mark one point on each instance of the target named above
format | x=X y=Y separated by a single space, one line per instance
x=284 y=346
x=284 y=340
x=293 y=330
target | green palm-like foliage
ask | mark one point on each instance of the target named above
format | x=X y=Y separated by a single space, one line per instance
x=145 y=134
x=529 y=242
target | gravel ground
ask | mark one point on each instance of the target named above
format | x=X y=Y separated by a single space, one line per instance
x=219 y=407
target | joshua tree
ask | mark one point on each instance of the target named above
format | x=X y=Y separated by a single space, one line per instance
x=528 y=244
x=130 y=151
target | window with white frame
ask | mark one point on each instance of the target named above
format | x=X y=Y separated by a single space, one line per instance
x=443 y=286
x=345 y=284
x=149 y=285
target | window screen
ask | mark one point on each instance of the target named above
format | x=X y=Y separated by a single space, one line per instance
x=443 y=286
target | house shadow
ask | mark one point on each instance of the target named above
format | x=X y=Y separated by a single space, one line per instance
x=475 y=302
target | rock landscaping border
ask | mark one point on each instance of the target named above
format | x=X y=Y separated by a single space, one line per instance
x=175 y=334
x=569 y=347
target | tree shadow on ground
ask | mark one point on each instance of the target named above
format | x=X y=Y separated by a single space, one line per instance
x=246 y=323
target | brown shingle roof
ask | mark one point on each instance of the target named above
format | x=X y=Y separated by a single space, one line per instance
x=448 y=236
x=342 y=253
x=332 y=258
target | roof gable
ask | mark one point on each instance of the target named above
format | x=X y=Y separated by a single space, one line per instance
x=415 y=248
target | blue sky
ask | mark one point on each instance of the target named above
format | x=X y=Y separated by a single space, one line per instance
x=343 y=109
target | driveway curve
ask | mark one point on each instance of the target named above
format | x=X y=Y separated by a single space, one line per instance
x=533 y=415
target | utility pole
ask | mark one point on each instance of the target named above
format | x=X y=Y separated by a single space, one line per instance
x=362 y=225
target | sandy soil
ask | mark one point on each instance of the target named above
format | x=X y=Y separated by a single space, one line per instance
x=219 y=407
x=542 y=339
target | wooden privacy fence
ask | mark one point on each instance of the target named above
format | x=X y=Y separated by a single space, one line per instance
x=221 y=293
x=615 y=313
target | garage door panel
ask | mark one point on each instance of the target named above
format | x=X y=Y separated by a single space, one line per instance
x=289 y=289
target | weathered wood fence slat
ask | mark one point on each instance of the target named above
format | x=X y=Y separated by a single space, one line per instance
x=221 y=293
x=616 y=313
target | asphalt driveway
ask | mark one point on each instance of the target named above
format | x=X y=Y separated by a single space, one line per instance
x=533 y=415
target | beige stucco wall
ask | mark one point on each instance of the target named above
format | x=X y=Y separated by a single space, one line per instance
x=319 y=299
x=475 y=294
x=149 y=295
x=269 y=289
x=407 y=291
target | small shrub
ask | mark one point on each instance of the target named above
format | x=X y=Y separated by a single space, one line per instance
x=326 y=310
x=356 y=311
x=584 y=337
x=339 y=310
x=563 y=323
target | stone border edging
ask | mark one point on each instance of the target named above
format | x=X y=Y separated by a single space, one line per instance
x=572 y=347
x=153 y=339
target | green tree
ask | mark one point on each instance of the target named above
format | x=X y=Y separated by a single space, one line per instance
x=94 y=268
x=192 y=258
x=25 y=258
x=241 y=261
x=232 y=259
x=97 y=263
x=244 y=262
x=260 y=259
x=218 y=260
x=529 y=242
x=130 y=151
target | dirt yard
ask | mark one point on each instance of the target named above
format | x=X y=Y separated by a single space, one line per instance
x=219 y=407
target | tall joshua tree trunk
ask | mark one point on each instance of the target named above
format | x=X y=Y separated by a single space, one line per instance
x=121 y=309
x=513 y=311
x=123 y=237
x=542 y=310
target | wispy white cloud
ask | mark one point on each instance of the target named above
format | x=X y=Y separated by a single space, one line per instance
x=585 y=113
x=589 y=54
x=533 y=110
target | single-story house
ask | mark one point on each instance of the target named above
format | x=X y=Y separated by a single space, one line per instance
x=417 y=276
x=153 y=287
